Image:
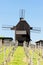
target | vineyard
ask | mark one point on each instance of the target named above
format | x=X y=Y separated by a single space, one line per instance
x=21 y=55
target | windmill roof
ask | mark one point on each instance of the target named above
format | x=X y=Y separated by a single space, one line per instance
x=22 y=24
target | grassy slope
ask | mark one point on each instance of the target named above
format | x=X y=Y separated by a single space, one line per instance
x=18 y=57
x=1 y=55
x=36 y=56
x=4 y=54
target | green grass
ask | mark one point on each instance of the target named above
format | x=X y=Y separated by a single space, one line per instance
x=4 y=54
x=1 y=55
x=19 y=57
x=35 y=56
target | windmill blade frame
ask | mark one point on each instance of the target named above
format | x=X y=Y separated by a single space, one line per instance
x=35 y=29
x=5 y=27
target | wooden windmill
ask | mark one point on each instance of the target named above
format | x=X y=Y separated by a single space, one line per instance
x=22 y=30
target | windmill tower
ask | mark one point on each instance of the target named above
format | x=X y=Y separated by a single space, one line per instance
x=22 y=29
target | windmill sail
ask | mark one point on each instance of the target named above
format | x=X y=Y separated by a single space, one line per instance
x=5 y=27
x=35 y=29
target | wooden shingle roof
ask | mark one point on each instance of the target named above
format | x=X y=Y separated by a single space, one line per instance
x=22 y=25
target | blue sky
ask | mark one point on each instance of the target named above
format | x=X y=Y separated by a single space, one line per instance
x=9 y=15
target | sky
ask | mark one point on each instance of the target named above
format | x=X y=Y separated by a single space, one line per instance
x=9 y=15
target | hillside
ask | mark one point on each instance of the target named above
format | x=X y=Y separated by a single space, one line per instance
x=20 y=56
